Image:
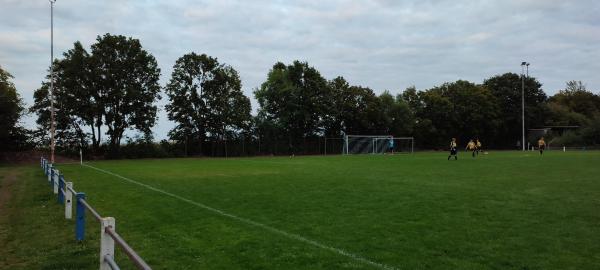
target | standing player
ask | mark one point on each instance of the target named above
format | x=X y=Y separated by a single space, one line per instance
x=541 y=145
x=453 y=151
x=391 y=145
x=478 y=145
x=471 y=147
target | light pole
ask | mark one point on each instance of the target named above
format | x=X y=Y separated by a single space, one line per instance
x=51 y=92
x=523 y=66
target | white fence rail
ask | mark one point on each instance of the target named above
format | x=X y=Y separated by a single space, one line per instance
x=108 y=234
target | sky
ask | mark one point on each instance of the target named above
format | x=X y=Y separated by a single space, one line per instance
x=381 y=44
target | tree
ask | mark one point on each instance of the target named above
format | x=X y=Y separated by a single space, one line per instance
x=398 y=120
x=297 y=99
x=334 y=122
x=115 y=87
x=575 y=106
x=591 y=131
x=474 y=111
x=125 y=78
x=75 y=87
x=434 y=119
x=577 y=99
x=206 y=100
x=353 y=109
x=507 y=90
x=229 y=108
x=74 y=101
x=12 y=135
x=460 y=109
x=69 y=135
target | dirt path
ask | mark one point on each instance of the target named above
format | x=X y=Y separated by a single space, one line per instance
x=30 y=158
x=6 y=186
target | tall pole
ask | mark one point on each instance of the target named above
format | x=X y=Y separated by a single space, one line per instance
x=51 y=92
x=523 y=65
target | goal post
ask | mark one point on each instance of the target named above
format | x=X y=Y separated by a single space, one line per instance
x=377 y=144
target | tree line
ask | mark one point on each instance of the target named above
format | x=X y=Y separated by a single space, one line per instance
x=113 y=88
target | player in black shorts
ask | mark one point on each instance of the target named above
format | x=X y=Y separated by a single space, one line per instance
x=453 y=151
x=478 y=146
x=542 y=145
x=471 y=147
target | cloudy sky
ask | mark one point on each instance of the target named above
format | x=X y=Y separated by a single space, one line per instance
x=382 y=44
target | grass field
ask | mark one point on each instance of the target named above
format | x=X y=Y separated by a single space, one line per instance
x=505 y=210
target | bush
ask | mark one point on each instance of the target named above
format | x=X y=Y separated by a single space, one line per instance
x=591 y=132
x=140 y=148
x=569 y=138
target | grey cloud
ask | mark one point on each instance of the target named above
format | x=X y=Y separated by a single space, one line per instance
x=382 y=44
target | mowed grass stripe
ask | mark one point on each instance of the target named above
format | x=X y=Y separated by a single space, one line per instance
x=251 y=222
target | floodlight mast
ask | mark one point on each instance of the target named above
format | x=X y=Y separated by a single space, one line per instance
x=524 y=65
x=51 y=92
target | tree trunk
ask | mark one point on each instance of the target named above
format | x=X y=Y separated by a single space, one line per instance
x=99 y=140
x=94 y=137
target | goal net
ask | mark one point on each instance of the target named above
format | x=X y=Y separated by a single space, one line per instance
x=378 y=144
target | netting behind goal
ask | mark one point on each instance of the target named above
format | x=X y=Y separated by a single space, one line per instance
x=402 y=145
x=362 y=144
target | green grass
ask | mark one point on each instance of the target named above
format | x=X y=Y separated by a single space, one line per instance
x=33 y=231
x=505 y=210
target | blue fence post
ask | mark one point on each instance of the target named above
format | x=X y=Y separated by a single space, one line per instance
x=80 y=222
x=61 y=185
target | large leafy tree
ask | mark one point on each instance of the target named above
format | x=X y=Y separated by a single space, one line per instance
x=460 y=109
x=507 y=90
x=474 y=110
x=296 y=98
x=74 y=100
x=397 y=118
x=126 y=80
x=206 y=100
x=12 y=135
x=576 y=106
x=113 y=87
x=354 y=109
x=229 y=109
x=434 y=126
x=573 y=104
x=69 y=133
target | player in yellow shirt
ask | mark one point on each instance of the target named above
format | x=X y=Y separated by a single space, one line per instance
x=453 y=151
x=541 y=145
x=478 y=145
x=471 y=147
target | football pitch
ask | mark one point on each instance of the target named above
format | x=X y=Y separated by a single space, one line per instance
x=504 y=210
